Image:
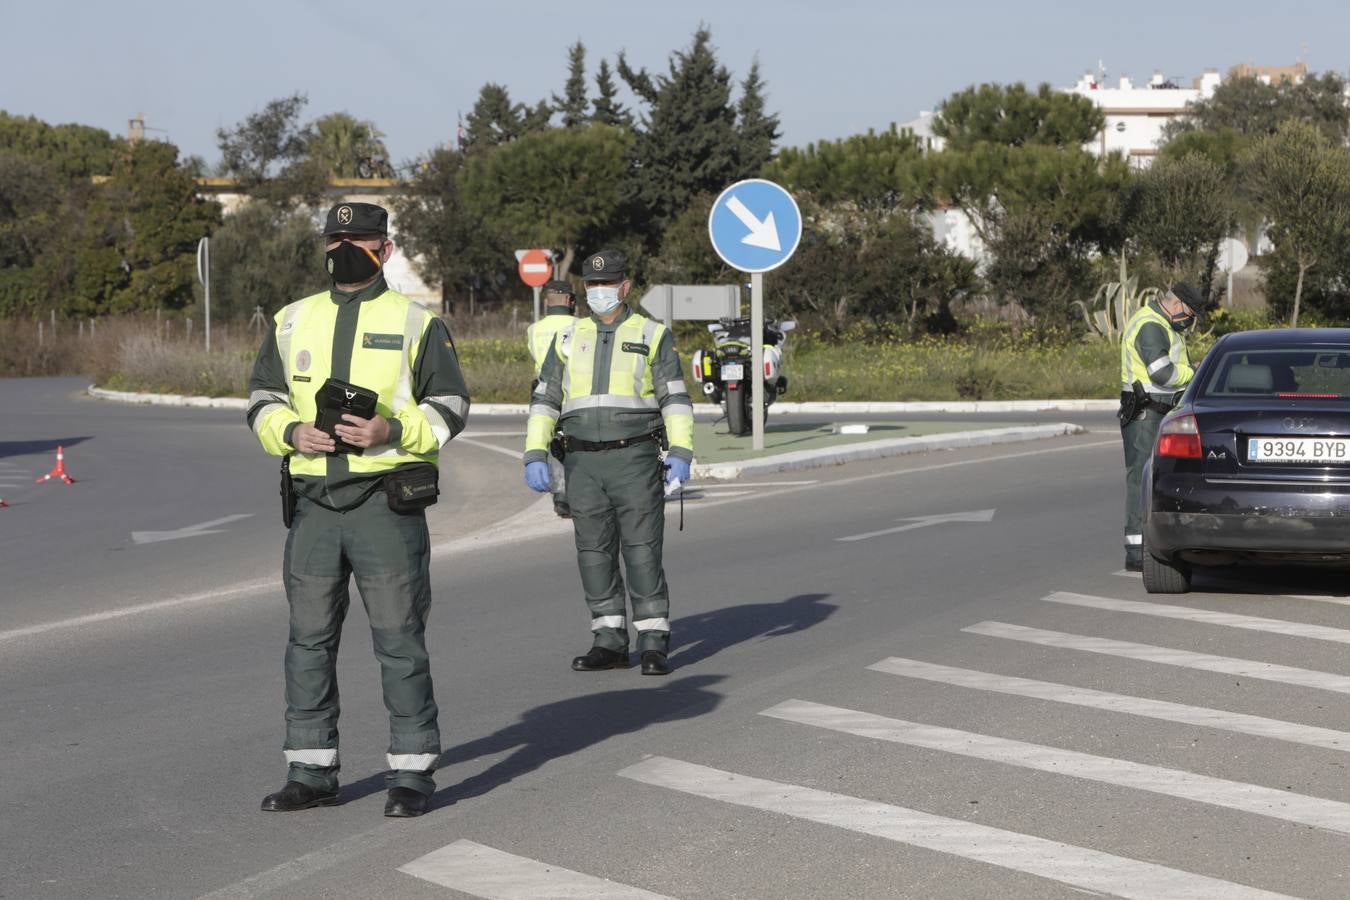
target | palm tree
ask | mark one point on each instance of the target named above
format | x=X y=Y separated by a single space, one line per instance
x=349 y=148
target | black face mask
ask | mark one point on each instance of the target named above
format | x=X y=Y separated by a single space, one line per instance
x=1182 y=322
x=350 y=264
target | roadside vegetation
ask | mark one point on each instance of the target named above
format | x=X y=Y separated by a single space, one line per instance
x=987 y=362
x=100 y=233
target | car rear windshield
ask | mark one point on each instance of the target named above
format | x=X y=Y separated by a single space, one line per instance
x=1319 y=372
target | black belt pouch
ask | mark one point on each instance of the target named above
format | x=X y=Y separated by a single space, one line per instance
x=287 y=493
x=412 y=487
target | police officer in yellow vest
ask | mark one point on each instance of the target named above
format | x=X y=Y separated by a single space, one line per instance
x=344 y=523
x=1154 y=368
x=613 y=384
x=560 y=309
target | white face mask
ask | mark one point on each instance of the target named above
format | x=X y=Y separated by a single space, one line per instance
x=602 y=300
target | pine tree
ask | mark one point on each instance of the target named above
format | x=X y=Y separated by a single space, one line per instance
x=572 y=104
x=757 y=130
x=605 y=109
x=688 y=143
x=494 y=120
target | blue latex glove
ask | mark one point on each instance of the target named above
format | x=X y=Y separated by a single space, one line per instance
x=677 y=470
x=537 y=477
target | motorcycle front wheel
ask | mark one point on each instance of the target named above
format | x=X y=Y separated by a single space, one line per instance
x=738 y=410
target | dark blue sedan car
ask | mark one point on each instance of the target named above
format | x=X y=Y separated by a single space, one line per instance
x=1253 y=466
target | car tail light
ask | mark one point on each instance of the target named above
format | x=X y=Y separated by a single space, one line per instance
x=1180 y=438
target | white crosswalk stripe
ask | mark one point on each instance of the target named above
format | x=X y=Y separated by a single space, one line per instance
x=1222 y=720
x=483 y=871
x=1332 y=815
x=1080 y=867
x=1204 y=616
x=1186 y=659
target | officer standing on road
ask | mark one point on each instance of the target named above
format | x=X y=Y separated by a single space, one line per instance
x=613 y=384
x=1154 y=368
x=560 y=310
x=367 y=335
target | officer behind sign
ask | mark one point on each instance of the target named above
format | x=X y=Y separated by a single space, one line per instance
x=560 y=309
x=1154 y=368
x=363 y=333
x=613 y=384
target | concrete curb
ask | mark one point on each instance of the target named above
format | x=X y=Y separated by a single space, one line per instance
x=700 y=409
x=832 y=456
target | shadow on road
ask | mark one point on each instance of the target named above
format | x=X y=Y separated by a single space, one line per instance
x=557 y=730
x=700 y=636
x=25 y=448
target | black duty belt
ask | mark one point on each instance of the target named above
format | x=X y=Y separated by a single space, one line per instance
x=571 y=444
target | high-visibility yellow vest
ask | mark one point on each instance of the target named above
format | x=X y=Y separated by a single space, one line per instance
x=388 y=338
x=1134 y=368
x=630 y=380
x=540 y=336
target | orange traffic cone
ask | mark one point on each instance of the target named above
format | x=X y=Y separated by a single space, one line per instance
x=59 y=471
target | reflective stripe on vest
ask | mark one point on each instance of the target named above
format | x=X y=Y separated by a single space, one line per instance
x=630 y=374
x=305 y=341
x=1132 y=366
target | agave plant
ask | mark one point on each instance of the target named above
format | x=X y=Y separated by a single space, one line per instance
x=1113 y=304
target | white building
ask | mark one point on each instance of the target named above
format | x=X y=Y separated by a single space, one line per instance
x=1135 y=116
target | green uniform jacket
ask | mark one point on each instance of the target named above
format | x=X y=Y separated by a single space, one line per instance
x=372 y=336
x=595 y=411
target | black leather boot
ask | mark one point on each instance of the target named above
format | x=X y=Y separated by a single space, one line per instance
x=598 y=658
x=297 y=795
x=654 y=662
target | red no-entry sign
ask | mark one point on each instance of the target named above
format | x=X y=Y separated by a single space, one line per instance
x=535 y=268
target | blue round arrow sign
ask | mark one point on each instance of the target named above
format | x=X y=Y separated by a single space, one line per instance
x=755 y=225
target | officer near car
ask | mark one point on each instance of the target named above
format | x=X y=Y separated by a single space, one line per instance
x=612 y=384
x=560 y=308
x=1154 y=369
x=355 y=488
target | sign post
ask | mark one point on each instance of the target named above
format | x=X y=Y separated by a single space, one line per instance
x=204 y=276
x=535 y=268
x=755 y=226
x=1232 y=258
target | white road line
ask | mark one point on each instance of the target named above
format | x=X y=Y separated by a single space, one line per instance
x=1331 y=815
x=1185 y=659
x=1204 y=617
x=760 y=484
x=505 y=451
x=1126 y=573
x=252 y=587
x=1222 y=720
x=1077 y=866
x=1320 y=598
x=486 y=872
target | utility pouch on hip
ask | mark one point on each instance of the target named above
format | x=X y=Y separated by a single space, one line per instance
x=412 y=487
x=287 y=493
x=557 y=447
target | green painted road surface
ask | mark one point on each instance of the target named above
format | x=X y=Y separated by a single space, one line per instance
x=713 y=444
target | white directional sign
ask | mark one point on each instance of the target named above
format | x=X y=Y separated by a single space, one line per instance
x=975 y=515
x=755 y=225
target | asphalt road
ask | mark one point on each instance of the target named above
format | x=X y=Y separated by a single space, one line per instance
x=872 y=697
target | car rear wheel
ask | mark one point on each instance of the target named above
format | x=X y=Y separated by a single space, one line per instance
x=1162 y=577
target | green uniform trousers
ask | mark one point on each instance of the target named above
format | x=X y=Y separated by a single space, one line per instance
x=619 y=509
x=389 y=553
x=1138 y=435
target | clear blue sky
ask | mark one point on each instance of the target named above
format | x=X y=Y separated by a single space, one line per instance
x=833 y=67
